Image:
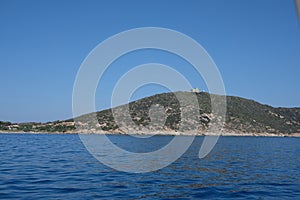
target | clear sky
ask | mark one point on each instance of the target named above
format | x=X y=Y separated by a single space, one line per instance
x=255 y=44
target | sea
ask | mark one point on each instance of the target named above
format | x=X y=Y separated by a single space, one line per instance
x=58 y=166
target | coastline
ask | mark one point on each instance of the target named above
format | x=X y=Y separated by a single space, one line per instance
x=163 y=133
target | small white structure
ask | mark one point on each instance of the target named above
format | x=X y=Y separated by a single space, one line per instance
x=195 y=90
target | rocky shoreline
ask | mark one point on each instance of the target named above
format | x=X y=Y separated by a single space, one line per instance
x=169 y=133
x=243 y=117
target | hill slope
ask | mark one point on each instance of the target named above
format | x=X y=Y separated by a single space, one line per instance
x=243 y=116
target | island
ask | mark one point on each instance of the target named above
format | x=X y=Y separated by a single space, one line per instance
x=244 y=117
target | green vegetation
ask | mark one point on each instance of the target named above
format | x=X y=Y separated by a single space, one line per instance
x=243 y=115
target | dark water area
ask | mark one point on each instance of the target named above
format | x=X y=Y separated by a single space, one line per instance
x=53 y=166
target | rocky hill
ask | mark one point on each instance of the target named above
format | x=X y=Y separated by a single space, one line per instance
x=243 y=116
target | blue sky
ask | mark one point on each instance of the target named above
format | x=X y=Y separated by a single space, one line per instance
x=255 y=44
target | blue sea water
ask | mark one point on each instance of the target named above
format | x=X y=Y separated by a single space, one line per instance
x=53 y=166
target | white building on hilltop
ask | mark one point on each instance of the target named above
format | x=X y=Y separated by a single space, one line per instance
x=195 y=90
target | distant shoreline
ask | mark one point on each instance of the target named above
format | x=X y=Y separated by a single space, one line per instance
x=244 y=117
x=162 y=134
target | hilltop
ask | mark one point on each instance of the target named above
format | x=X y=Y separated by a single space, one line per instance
x=243 y=117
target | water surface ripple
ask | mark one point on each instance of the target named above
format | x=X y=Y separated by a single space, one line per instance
x=52 y=166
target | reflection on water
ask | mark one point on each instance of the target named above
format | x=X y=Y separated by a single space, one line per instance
x=58 y=166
